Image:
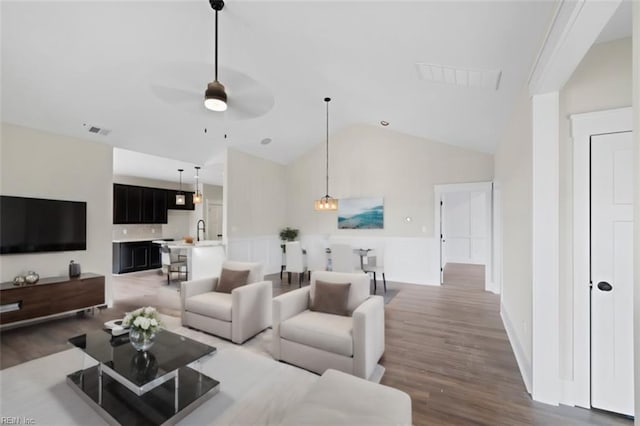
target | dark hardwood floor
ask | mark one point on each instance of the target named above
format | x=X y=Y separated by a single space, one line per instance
x=445 y=346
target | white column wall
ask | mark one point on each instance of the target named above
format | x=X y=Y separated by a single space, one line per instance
x=636 y=247
x=546 y=383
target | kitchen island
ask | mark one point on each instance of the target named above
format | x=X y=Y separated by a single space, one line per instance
x=204 y=258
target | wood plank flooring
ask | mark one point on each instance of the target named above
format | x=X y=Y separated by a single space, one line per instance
x=445 y=346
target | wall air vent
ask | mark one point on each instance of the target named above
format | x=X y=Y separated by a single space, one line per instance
x=462 y=77
x=97 y=130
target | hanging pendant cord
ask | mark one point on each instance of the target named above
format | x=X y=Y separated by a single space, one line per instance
x=327 y=100
x=216 y=48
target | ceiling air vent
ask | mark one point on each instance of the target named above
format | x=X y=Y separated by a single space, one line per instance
x=97 y=130
x=463 y=77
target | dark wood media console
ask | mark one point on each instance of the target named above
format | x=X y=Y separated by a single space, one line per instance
x=50 y=296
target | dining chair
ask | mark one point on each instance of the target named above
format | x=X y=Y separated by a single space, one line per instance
x=373 y=267
x=173 y=263
x=343 y=259
x=296 y=261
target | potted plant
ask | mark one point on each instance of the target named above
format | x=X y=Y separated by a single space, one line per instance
x=288 y=234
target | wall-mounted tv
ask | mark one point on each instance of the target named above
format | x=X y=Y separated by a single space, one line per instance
x=31 y=225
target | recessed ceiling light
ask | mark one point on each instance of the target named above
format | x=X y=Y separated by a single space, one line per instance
x=265 y=141
x=384 y=123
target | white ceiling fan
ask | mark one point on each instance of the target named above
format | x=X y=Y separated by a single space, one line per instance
x=240 y=98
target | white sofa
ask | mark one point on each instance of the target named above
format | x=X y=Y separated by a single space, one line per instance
x=339 y=399
x=318 y=341
x=236 y=316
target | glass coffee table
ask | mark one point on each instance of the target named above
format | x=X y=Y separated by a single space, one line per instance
x=159 y=386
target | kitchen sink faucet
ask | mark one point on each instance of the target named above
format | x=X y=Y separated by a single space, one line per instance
x=198 y=229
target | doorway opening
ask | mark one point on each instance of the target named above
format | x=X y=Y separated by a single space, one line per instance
x=464 y=276
x=464 y=216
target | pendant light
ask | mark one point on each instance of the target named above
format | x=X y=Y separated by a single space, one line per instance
x=327 y=203
x=180 y=198
x=215 y=97
x=197 y=196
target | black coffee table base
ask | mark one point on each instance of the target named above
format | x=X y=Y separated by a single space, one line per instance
x=156 y=407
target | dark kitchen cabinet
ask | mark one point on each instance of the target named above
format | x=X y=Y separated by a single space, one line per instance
x=154 y=205
x=135 y=256
x=137 y=204
x=127 y=204
x=155 y=259
x=188 y=201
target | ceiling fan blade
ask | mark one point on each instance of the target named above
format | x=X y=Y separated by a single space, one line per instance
x=244 y=109
x=174 y=95
x=246 y=97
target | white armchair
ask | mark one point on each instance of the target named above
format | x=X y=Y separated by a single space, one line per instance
x=236 y=316
x=318 y=341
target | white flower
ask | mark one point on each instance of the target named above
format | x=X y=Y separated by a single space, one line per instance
x=142 y=322
x=126 y=322
x=145 y=319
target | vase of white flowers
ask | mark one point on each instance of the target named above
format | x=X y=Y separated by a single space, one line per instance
x=144 y=324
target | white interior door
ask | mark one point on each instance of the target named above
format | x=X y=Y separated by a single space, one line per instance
x=214 y=220
x=612 y=272
x=464 y=227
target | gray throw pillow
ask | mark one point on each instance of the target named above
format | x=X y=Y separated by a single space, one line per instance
x=230 y=279
x=331 y=298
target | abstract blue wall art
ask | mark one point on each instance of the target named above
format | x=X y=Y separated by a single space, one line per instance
x=361 y=213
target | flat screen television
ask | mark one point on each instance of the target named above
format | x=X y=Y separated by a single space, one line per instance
x=32 y=225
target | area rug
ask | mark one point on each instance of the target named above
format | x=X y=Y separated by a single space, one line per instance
x=255 y=389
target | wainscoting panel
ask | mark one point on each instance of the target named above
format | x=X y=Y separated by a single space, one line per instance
x=407 y=260
x=264 y=249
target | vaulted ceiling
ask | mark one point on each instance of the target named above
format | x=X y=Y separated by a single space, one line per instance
x=139 y=70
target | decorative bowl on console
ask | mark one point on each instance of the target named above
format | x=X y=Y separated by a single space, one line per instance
x=19 y=280
x=31 y=277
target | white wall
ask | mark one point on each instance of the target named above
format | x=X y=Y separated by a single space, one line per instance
x=369 y=161
x=513 y=175
x=636 y=247
x=213 y=193
x=44 y=165
x=255 y=208
x=373 y=161
x=603 y=80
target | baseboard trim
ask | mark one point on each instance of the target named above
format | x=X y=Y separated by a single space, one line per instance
x=566 y=393
x=523 y=363
x=492 y=287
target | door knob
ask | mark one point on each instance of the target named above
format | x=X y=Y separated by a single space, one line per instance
x=604 y=286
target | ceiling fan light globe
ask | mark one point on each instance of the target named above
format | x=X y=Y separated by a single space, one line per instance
x=215 y=97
